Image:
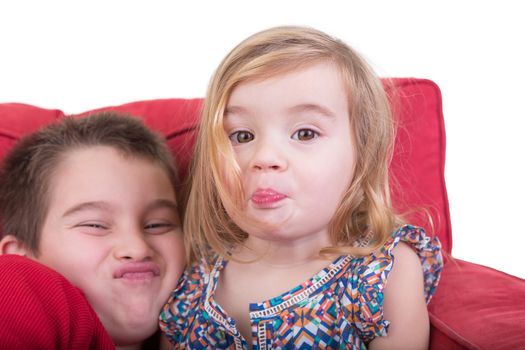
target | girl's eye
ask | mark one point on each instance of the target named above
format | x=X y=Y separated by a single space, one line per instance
x=158 y=227
x=305 y=135
x=241 y=136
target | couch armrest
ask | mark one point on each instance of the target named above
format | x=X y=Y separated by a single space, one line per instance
x=476 y=307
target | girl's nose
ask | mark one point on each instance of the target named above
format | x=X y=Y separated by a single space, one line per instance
x=268 y=156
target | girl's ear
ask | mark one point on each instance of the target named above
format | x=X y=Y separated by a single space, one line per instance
x=10 y=245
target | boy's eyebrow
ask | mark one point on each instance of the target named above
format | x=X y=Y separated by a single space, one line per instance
x=99 y=205
x=162 y=203
x=105 y=206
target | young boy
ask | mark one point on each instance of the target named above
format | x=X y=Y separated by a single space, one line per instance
x=95 y=200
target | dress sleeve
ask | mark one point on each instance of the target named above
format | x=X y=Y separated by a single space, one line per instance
x=179 y=311
x=365 y=295
x=369 y=274
x=429 y=252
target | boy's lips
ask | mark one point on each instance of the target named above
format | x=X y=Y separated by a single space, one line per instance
x=138 y=271
x=263 y=197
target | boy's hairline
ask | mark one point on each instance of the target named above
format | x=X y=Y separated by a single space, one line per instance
x=32 y=242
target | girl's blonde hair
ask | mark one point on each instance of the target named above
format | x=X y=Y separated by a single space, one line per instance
x=364 y=219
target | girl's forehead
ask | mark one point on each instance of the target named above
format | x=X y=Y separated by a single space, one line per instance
x=320 y=83
x=278 y=69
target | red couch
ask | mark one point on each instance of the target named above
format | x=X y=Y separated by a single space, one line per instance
x=475 y=307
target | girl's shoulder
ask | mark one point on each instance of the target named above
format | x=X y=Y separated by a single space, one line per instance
x=428 y=250
x=185 y=299
x=191 y=284
x=375 y=267
x=367 y=277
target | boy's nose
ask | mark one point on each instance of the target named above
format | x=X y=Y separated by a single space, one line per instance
x=132 y=245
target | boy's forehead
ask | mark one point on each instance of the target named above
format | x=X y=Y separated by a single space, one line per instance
x=87 y=152
x=99 y=166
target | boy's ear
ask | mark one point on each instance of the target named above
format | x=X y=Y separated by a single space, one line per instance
x=10 y=245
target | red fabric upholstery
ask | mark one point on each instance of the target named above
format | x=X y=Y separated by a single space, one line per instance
x=418 y=166
x=473 y=306
x=177 y=119
x=17 y=119
x=478 y=307
x=418 y=163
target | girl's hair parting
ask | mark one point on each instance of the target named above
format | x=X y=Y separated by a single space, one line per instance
x=364 y=219
x=28 y=169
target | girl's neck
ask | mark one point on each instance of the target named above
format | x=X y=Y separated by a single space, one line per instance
x=266 y=269
x=282 y=254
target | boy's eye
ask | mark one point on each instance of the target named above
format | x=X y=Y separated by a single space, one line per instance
x=94 y=228
x=241 y=136
x=93 y=225
x=158 y=227
x=304 y=135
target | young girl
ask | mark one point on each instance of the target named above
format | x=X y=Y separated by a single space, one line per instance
x=294 y=241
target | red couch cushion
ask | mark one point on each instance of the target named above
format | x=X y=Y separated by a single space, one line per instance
x=476 y=307
x=472 y=307
x=17 y=120
x=417 y=168
x=175 y=118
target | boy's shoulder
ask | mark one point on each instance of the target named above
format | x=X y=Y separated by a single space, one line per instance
x=44 y=310
x=21 y=272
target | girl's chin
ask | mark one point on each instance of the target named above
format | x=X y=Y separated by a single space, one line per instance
x=271 y=219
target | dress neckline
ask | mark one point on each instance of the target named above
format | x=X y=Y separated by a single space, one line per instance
x=283 y=301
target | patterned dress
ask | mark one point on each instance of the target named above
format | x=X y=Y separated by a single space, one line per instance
x=341 y=307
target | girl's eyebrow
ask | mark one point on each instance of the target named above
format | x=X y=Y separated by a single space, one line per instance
x=234 y=110
x=303 y=107
x=312 y=107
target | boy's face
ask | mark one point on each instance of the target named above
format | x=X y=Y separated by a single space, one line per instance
x=292 y=140
x=112 y=229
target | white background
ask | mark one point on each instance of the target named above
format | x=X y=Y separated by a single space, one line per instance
x=79 y=55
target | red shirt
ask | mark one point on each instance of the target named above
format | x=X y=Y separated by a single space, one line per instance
x=40 y=309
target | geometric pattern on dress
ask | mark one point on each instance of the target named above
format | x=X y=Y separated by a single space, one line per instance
x=341 y=307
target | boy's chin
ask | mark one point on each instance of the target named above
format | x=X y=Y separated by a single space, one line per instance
x=132 y=317
x=133 y=328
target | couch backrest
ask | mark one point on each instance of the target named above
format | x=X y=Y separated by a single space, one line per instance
x=417 y=168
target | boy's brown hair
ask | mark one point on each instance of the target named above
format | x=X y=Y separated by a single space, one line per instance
x=27 y=170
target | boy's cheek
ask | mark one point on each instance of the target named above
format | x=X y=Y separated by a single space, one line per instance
x=174 y=256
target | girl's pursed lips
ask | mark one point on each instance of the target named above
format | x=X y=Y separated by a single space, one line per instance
x=266 y=196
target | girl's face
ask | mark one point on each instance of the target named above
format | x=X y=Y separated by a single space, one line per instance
x=112 y=229
x=292 y=140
